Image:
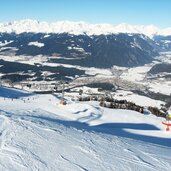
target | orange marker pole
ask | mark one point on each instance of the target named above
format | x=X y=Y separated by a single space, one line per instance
x=168 y=125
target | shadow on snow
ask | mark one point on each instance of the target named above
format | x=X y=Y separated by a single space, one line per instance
x=12 y=93
x=116 y=129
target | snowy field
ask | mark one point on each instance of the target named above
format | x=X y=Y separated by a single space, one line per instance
x=139 y=75
x=138 y=99
x=37 y=133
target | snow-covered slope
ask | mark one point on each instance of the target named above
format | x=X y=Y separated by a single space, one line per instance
x=36 y=133
x=36 y=44
x=12 y=93
x=79 y=28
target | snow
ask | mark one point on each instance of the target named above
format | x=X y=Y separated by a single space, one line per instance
x=139 y=75
x=69 y=47
x=86 y=90
x=38 y=44
x=8 y=93
x=80 y=28
x=43 y=60
x=8 y=48
x=136 y=74
x=137 y=99
x=5 y=43
x=97 y=71
x=161 y=87
x=36 y=133
x=31 y=60
x=166 y=41
x=165 y=57
x=78 y=49
x=46 y=36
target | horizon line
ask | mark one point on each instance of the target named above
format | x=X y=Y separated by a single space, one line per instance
x=83 y=21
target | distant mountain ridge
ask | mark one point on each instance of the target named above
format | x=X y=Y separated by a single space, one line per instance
x=78 y=28
x=164 y=42
x=101 y=51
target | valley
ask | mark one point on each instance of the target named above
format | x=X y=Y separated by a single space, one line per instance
x=43 y=75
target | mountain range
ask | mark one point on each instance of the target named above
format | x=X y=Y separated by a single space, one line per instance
x=79 y=44
x=81 y=27
x=101 y=51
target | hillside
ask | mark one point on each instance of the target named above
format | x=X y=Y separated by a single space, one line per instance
x=39 y=134
x=101 y=51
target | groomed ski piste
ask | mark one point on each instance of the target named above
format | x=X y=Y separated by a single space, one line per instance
x=37 y=133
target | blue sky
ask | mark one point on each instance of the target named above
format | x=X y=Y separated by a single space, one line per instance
x=142 y=12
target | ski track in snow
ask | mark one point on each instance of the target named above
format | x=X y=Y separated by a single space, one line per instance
x=72 y=163
x=142 y=161
x=33 y=138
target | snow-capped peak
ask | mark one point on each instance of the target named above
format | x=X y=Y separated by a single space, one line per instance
x=79 y=28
